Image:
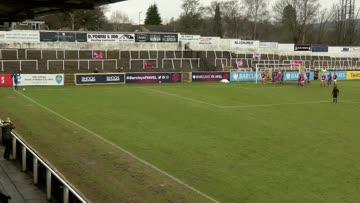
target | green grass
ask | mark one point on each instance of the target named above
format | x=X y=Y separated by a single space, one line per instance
x=235 y=143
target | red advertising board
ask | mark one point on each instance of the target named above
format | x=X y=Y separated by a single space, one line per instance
x=6 y=80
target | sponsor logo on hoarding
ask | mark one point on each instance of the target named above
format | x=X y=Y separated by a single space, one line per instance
x=88 y=79
x=353 y=75
x=302 y=47
x=245 y=44
x=40 y=79
x=210 y=76
x=59 y=79
x=319 y=48
x=92 y=79
x=153 y=77
x=294 y=76
x=189 y=37
x=268 y=45
x=110 y=37
x=113 y=78
x=167 y=38
x=244 y=76
x=20 y=36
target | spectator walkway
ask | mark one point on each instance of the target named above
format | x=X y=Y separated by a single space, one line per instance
x=17 y=184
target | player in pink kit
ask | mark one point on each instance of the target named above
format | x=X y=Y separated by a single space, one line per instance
x=302 y=80
x=335 y=78
x=279 y=76
x=323 y=78
x=263 y=77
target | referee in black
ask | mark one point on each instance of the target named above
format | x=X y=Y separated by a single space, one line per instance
x=335 y=94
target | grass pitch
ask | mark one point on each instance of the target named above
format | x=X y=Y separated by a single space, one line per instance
x=234 y=143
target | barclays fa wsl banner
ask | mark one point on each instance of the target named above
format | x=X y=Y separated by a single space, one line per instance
x=99 y=79
x=244 y=76
x=210 y=76
x=40 y=79
x=153 y=78
x=294 y=76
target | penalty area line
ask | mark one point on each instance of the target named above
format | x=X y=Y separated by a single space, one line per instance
x=121 y=149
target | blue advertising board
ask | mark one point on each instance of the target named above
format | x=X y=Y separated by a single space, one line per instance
x=319 y=48
x=244 y=76
x=96 y=79
x=294 y=76
x=342 y=75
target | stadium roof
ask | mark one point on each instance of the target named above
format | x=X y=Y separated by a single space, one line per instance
x=18 y=10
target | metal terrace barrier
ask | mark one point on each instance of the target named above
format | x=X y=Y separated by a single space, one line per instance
x=20 y=63
x=143 y=62
x=14 y=50
x=83 y=60
x=224 y=62
x=69 y=193
x=64 y=51
x=197 y=60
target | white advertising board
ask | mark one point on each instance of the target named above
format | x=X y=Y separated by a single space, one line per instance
x=41 y=80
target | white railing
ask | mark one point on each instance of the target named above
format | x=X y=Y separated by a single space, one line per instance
x=143 y=62
x=197 y=60
x=83 y=60
x=64 y=51
x=224 y=62
x=50 y=170
x=20 y=63
x=15 y=50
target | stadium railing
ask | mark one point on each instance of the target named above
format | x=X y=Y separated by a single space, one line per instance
x=20 y=64
x=68 y=190
x=82 y=60
x=16 y=51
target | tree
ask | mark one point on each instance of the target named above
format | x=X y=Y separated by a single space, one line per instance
x=218 y=21
x=119 y=21
x=231 y=17
x=346 y=22
x=77 y=20
x=289 y=22
x=190 y=7
x=190 y=19
x=119 y=17
x=306 y=11
x=322 y=25
x=153 y=16
x=256 y=12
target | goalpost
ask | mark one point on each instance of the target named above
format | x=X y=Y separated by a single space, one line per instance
x=289 y=72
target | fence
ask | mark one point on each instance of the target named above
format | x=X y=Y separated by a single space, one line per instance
x=69 y=192
x=20 y=63
x=83 y=60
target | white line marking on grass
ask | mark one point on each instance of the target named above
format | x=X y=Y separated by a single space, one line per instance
x=276 y=104
x=240 y=106
x=182 y=97
x=121 y=149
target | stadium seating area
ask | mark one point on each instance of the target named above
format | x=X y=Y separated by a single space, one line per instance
x=74 y=61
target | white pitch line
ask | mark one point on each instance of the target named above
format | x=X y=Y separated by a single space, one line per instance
x=121 y=149
x=240 y=106
x=182 y=97
x=276 y=104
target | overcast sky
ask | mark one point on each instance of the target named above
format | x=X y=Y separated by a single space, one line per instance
x=168 y=8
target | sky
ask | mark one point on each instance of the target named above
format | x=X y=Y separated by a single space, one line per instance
x=168 y=8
